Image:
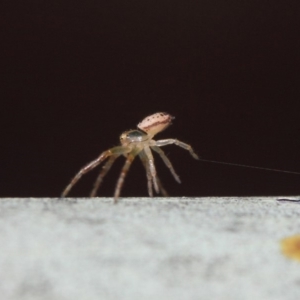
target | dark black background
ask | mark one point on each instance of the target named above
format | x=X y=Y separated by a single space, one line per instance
x=75 y=74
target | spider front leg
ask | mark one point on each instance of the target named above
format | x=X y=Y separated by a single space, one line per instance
x=185 y=146
x=103 y=172
x=124 y=171
x=113 y=151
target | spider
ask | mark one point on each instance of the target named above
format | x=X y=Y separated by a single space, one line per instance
x=136 y=142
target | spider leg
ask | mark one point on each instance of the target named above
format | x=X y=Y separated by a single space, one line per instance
x=129 y=160
x=93 y=164
x=167 y=162
x=161 y=188
x=144 y=160
x=152 y=167
x=103 y=172
x=185 y=146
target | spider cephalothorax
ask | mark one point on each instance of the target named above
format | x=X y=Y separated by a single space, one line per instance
x=133 y=143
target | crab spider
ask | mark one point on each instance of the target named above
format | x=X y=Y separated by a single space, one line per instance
x=136 y=142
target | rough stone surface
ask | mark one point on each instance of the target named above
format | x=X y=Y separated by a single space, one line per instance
x=141 y=248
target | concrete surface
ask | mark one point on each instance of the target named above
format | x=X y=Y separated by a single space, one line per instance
x=161 y=248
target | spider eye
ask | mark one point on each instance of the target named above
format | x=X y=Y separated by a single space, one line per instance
x=124 y=137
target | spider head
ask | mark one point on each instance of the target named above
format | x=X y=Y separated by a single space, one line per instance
x=132 y=136
x=155 y=123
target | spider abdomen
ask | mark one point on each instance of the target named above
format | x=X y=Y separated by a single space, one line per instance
x=156 y=123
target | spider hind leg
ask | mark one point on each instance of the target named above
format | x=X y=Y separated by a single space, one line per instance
x=167 y=162
x=144 y=160
x=152 y=169
x=161 y=143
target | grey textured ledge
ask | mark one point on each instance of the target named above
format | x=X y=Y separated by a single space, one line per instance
x=141 y=248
